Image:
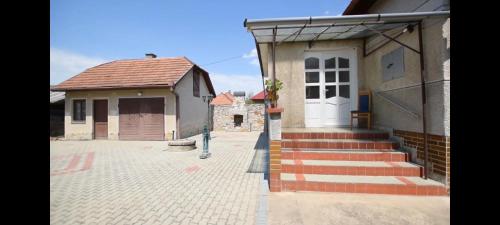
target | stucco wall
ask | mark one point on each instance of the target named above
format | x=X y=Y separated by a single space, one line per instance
x=193 y=111
x=290 y=70
x=84 y=131
x=435 y=55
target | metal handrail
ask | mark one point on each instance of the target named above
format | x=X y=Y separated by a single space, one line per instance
x=400 y=106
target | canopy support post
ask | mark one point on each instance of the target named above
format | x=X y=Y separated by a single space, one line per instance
x=420 y=52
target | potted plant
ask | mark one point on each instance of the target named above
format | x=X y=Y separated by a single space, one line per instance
x=272 y=91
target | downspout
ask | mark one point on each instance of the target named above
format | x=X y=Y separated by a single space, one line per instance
x=424 y=101
x=177 y=115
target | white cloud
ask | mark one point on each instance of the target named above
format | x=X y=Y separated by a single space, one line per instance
x=252 y=55
x=65 y=64
x=327 y=12
x=236 y=82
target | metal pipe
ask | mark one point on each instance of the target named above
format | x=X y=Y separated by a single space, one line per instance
x=392 y=39
x=274 y=59
x=424 y=101
x=380 y=46
x=385 y=17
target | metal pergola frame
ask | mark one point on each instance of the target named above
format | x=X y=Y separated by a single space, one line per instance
x=354 y=22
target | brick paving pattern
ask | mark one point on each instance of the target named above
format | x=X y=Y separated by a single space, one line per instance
x=135 y=182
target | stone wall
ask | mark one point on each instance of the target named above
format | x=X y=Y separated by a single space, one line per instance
x=253 y=117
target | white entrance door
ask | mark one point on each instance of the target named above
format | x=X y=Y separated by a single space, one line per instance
x=330 y=83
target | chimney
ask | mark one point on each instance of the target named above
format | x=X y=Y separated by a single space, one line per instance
x=150 y=56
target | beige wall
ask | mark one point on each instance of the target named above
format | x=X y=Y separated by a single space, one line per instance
x=84 y=131
x=290 y=70
x=387 y=115
x=193 y=111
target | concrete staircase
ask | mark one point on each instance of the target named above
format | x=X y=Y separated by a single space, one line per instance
x=359 y=162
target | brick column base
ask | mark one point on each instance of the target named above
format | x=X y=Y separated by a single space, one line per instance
x=275 y=166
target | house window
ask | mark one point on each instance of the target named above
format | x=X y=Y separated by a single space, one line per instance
x=238 y=120
x=79 y=110
x=196 y=84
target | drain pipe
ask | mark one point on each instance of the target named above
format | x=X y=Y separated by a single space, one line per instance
x=424 y=100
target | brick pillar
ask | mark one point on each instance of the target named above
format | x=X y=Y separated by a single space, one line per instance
x=275 y=149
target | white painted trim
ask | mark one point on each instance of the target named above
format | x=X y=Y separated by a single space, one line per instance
x=71 y=111
x=352 y=53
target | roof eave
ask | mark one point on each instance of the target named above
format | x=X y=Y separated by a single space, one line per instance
x=111 y=88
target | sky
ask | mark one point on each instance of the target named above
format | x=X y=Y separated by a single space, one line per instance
x=87 y=33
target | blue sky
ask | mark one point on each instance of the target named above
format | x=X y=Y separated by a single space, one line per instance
x=86 y=33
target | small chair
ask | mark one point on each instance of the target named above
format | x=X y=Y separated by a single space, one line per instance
x=364 y=107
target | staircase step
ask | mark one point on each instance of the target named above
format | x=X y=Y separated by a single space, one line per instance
x=400 y=185
x=355 y=168
x=335 y=135
x=371 y=155
x=339 y=143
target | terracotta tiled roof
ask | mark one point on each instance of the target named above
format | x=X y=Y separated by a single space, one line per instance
x=223 y=99
x=131 y=73
x=259 y=96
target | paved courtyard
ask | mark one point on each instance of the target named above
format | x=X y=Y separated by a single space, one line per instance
x=356 y=209
x=138 y=182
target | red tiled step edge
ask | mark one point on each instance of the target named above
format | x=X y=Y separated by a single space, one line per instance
x=364 y=144
x=424 y=190
x=353 y=170
x=346 y=156
x=334 y=135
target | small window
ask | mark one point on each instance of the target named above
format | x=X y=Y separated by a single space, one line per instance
x=196 y=84
x=343 y=62
x=343 y=76
x=344 y=91
x=312 y=77
x=312 y=63
x=238 y=120
x=330 y=63
x=79 y=110
x=331 y=91
x=312 y=92
x=330 y=77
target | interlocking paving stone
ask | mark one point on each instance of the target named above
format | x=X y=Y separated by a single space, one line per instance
x=139 y=182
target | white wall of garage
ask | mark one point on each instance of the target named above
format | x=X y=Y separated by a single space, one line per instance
x=193 y=111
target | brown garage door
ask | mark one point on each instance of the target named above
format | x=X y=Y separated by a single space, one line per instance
x=141 y=119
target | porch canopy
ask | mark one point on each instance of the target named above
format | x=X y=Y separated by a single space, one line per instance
x=332 y=27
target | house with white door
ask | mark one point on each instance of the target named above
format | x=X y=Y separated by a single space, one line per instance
x=387 y=60
x=137 y=99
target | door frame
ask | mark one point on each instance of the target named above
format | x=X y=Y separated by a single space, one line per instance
x=352 y=52
x=93 y=114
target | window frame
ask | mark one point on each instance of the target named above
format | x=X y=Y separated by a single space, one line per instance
x=84 y=120
x=196 y=83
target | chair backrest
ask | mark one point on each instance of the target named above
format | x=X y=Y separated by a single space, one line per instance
x=364 y=101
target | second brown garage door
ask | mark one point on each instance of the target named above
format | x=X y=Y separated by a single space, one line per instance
x=141 y=119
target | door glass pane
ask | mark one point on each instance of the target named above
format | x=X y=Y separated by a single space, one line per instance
x=343 y=62
x=331 y=91
x=343 y=76
x=330 y=63
x=312 y=63
x=312 y=92
x=344 y=91
x=312 y=77
x=330 y=76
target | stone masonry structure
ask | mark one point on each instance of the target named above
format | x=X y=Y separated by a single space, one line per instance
x=231 y=113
